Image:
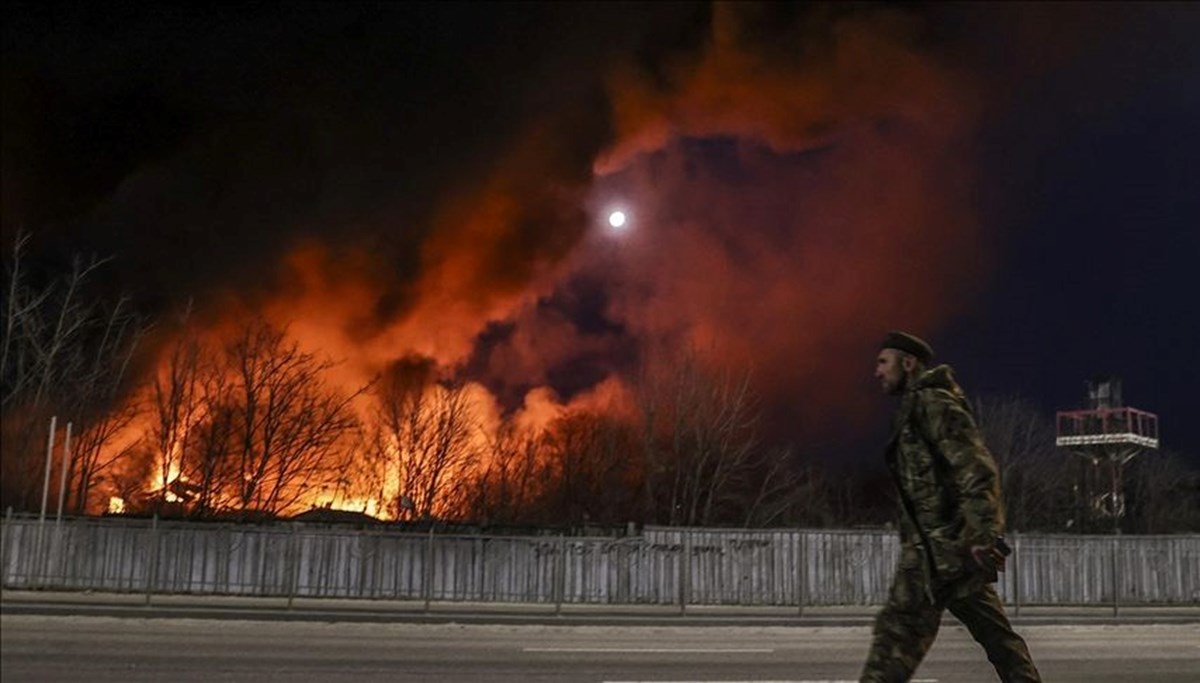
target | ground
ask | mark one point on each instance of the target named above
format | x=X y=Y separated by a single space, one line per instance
x=127 y=650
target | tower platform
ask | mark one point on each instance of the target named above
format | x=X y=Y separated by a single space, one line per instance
x=1107 y=427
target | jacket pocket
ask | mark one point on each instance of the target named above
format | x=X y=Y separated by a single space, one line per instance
x=949 y=554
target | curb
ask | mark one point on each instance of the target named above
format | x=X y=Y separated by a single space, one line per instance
x=68 y=608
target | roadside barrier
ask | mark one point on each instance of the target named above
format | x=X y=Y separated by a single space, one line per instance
x=661 y=566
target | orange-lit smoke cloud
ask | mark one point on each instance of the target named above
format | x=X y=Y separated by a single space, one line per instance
x=835 y=203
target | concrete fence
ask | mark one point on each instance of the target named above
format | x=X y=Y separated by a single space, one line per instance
x=663 y=566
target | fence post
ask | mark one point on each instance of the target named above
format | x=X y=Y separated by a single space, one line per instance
x=800 y=556
x=481 y=591
x=368 y=577
x=429 y=567
x=1116 y=569
x=152 y=565
x=583 y=568
x=685 y=550
x=8 y=533
x=294 y=547
x=560 y=580
x=1016 y=573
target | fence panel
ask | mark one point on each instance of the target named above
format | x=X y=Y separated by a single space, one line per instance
x=662 y=566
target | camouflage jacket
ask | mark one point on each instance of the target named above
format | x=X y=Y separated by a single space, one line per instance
x=948 y=483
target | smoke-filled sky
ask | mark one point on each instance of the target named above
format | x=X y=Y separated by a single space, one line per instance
x=1016 y=183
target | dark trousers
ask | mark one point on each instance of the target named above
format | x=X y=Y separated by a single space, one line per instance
x=905 y=629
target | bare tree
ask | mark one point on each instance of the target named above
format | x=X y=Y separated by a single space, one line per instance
x=700 y=443
x=591 y=473
x=198 y=409
x=1036 y=477
x=1163 y=494
x=287 y=424
x=177 y=404
x=362 y=483
x=206 y=462
x=427 y=433
x=63 y=352
x=95 y=453
x=505 y=490
x=787 y=492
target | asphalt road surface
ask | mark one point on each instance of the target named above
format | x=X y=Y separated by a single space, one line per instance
x=104 y=649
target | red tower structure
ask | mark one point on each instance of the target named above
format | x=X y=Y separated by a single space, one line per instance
x=1107 y=434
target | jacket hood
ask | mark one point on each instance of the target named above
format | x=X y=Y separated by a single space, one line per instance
x=940 y=377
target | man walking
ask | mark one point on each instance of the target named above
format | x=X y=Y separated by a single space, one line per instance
x=951 y=523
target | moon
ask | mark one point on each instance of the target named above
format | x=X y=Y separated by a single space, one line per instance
x=616 y=219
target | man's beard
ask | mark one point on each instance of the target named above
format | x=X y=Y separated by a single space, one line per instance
x=900 y=386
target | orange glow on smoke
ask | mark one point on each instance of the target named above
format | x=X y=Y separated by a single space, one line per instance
x=883 y=233
x=863 y=68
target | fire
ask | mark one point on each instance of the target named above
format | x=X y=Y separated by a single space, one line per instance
x=367 y=506
x=116 y=505
x=162 y=480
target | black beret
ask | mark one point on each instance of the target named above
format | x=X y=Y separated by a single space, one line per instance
x=902 y=341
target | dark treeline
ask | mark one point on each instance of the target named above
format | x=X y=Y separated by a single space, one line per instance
x=250 y=426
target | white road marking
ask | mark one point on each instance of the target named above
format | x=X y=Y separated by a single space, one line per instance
x=654 y=650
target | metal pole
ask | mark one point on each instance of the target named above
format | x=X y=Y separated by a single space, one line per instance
x=1016 y=574
x=62 y=480
x=1115 y=465
x=152 y=568
x=38 y=557
x=49 y=459
x=56 y=544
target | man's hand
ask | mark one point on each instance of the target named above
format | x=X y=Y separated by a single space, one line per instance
x=988 y=557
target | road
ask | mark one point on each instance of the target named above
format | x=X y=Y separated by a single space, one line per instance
x=37 y=648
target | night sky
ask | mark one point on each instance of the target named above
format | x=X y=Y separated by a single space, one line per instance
x=1018 y=184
